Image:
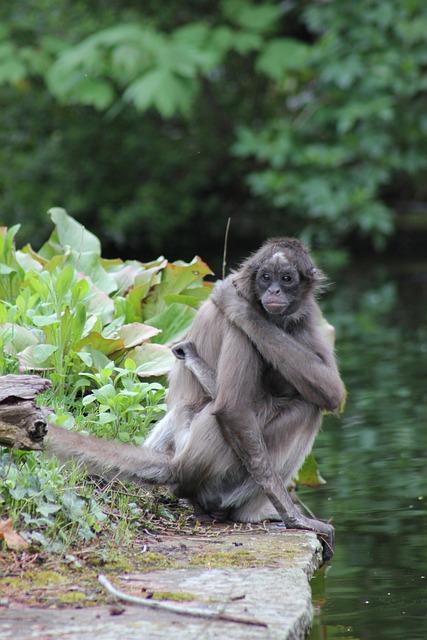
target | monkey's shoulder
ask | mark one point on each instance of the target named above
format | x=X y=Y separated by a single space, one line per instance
x=208 y=330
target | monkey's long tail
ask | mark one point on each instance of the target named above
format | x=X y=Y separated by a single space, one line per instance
x=111 y=459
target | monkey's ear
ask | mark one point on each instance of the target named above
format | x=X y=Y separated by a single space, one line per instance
x=317 y=278
x=306 y=266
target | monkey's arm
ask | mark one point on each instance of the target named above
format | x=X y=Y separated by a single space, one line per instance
x=187 y=352
x=308 y=363
x=235 y=411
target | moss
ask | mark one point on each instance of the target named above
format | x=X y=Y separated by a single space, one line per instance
x=222 y=559
x=243 y=558
x=122 y=564
x=71 y=597
x=35 y=578
x=154 y=559
x=169 y=595
x=42 y=578
x=13 y=583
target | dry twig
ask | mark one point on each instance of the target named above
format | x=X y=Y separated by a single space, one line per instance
x=176 y=608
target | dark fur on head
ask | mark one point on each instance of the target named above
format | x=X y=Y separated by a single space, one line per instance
x=295 y=252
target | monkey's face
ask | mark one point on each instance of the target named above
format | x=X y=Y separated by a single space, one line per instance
x=277 y=286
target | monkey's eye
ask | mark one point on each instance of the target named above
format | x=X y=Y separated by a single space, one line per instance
x=265 y=277
x=287 y=278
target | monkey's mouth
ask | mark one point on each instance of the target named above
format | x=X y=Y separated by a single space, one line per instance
x=275 y=307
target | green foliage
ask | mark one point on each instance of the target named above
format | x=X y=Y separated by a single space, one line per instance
x=10 y=270
x=88 y=324
x=151 y=69
x=45 y=500
x=304 y=118
x=351 y=123
x=57 y=508
x=66 y=311
x=125 y=406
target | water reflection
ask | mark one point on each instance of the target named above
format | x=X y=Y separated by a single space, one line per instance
x=375 y=461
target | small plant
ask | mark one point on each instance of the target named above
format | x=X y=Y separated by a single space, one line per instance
x=45 y=500
x=122 y=406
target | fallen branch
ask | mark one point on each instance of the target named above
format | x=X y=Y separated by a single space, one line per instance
x=23 y=425
x=176 y=608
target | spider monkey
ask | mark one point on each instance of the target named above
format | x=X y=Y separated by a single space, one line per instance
x=245 y=399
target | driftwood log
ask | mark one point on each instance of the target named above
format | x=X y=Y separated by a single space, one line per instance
x=23 y=425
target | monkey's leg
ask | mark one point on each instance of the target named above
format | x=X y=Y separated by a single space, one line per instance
x=251 y=447
x=236 y=409
x=162 y=435
x=204 y=455
x=289 y=436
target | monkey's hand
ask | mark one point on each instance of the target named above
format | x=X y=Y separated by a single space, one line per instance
x=238 y=310
x=185 y=350
x=228 y=300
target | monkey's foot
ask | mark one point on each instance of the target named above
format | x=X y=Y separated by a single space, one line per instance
x=327 y=539
x=326 y=536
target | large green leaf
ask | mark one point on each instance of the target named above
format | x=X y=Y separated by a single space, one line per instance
x=174 y=322
x=37 y=357
x=97 y=341
x=152 y=359
x=162 y=89
x=309 y=473
x=128 y=336
x=136 y=333
x=147 y=302
x=178 y=276
x=17 y=338
x=69 y=232
x=71 y=241
x=101 y=305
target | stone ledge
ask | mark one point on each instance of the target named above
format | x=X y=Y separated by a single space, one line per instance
x=263 y=577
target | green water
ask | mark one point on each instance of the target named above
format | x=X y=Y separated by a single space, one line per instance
x=375 y=461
